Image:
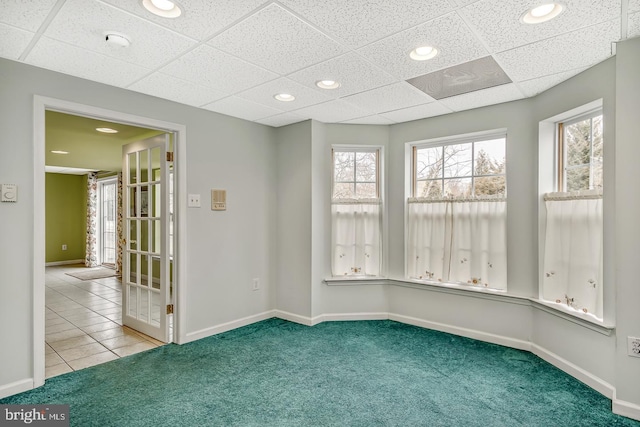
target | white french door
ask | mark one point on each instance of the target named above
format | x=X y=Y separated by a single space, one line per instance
x=146 y=290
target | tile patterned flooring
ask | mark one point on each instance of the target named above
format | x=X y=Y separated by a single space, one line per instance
x=83 y=325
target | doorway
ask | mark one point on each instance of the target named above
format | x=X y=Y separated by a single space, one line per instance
x=107 y=211
x=106 y=216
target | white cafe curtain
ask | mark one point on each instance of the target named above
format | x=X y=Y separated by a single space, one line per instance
x=356 y=238
x=459 y=241
x=573 y=248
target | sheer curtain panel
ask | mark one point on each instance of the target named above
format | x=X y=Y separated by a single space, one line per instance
x=573 y=251
x=459 y=241
x=356 y=238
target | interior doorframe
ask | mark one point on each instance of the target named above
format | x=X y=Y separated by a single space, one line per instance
x=42 y=104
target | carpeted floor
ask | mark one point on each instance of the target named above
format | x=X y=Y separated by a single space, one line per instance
x=370 y=373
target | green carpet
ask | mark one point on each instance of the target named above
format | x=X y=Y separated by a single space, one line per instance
x=369 y=373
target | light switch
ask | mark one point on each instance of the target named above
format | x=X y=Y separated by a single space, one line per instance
x=194 y=201
x=9 y=193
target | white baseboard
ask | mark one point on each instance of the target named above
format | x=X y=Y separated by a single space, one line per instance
x=469 y=333
x=339 y=317
x=626 y=409
x=72 y=261
x=295 y=318
x=224 y=327
x=577 y=372
x=16 y=387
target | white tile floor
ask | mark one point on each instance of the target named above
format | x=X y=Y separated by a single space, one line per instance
x=83 y=324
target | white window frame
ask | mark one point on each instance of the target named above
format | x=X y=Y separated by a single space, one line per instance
x=381 y=186
x=436 y=142
x=548 y=182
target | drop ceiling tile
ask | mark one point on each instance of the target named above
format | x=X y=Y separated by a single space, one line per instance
x=535 y=86
x=634 y=6
x=14 y=41
x=354 y=74
x=174 y=89
x=242 y=108
x=481 y=98
x=84 y=24
x=388 y=98
x=333 y=112
x=57 y=56
x=449 y=34
x=278 y=41
x=581 y=48
x=370 y=120
x=359 y=22
x=634 y=25
x=462 y=3
x=498 y=22
x=264 y=94
x=200 y=18
x=418 y=112
x=281 y=120
x=25 y=14
x=215 y=69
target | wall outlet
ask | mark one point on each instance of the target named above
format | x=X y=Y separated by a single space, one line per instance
x=256 y=284
x=633 y=346
x=64 y=247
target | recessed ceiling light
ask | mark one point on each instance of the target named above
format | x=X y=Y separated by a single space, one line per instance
x=284 y=97
x=59 y=152
x=164 y=8
x=423 y=53
x=542 y=13
x=106 y=130
x=327 y=84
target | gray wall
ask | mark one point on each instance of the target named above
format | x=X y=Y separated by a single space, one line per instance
x=225 y=249
x=627 y=214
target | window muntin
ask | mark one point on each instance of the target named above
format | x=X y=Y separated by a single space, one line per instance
x=580 y=147
x=460 y=169
x=355 y=174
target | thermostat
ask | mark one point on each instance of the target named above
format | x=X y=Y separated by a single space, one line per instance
x=9 y=193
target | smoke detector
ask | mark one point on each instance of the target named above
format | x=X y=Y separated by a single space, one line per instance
x=117 y=39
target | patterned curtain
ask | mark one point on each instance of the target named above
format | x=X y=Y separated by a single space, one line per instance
x=91 y=253
x=119 y=227
x=458 y=241
x=573 y=260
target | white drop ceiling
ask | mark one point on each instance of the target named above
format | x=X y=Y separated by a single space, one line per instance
x=233 y=56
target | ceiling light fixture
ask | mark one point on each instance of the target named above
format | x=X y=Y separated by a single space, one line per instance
x=117 y=39
x=106 y=130
x=542 y=13
x=163 y=8
x=327 y=84
x=285 y=97
x=423 y=53
x=59 y=152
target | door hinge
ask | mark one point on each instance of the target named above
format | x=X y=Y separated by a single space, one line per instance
x=169 y=156
x=170 y=309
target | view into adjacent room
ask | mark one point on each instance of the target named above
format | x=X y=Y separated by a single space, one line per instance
x=85 y=241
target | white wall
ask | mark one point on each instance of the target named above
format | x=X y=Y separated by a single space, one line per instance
x=294 y=219
x=627 y=215
x=225 y=249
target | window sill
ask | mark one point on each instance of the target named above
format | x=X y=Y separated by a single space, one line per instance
x=582 y=319
x=356 y=280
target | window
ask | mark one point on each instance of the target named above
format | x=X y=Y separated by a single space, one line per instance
x=573 y=245
x=457 y=215
x=463 y=170
x=580 y=149
x=356 y=211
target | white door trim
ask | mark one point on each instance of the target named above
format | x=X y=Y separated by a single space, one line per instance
x=40 y=105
